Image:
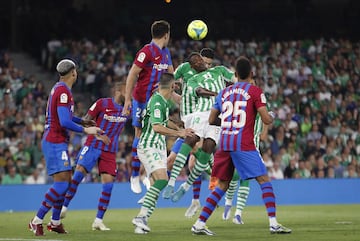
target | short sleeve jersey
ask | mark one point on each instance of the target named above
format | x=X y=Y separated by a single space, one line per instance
x=157 y=112
x=213 y=79
x=188 y=100
x=60 y=95
x=153 y=61
x=108 y=116
x=238 y=106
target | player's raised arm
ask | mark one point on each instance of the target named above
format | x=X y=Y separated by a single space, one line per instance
x=163 y=130
x=130 y=83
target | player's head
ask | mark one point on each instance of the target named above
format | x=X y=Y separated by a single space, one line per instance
x=167 y=81
x=197 y=62
x=243 y=68
x=119 y=91
x=208 y=55
x=67 y=69
x=161 y=29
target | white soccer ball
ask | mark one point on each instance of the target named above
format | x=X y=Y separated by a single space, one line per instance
x=139 y=230
x=197 y=29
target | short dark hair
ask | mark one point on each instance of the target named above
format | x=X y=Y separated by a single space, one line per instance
x=160 y=28
x=207 y=52
x=243 y=67
x=190 y=58
x=165 y=80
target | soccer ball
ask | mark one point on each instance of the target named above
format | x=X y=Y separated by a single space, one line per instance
x=197 y=29
x=139 y=230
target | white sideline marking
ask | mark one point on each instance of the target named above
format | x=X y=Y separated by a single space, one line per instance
x=23 y=239
x=343 y=222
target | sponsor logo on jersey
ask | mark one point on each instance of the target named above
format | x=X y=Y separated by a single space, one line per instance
x=160 y=66
x=112 y=118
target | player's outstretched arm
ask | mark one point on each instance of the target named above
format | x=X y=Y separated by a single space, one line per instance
x=163 y=130
x=175 y=124
x=130 y=83
x=86 y=121
x=93 y=130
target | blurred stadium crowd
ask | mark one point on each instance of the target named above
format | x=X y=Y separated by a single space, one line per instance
x=312 y=84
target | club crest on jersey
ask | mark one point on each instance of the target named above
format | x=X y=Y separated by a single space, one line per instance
x=64 y=98
x=141 y=57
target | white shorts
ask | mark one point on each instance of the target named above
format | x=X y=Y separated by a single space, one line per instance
x=202 y=128
x=187 y=120
x=152 y=159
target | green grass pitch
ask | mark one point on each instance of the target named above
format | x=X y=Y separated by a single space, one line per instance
x=320 y=222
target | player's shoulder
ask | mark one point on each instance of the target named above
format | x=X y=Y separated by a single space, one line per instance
x=195 y=77
x=60 y=88
x=143 y=53
x=185 y=65
x=157 y=100
x=61 y=91
x=221 y=68
x=255 y=88
x=145 y=47
x=103 y=101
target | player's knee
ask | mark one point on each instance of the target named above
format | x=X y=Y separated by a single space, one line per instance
x=191 y=141
x=223 y=185
x=262 y=179
x=209 y=145
x=161 y=183
x=81 y=169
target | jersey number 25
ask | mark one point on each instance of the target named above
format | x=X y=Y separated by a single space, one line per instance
x=236 y=113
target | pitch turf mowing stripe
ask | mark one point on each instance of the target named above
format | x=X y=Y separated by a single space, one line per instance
x=23 y=239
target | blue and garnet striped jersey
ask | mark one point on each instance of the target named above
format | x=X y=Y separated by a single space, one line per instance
x=108 y=116
x=238 y=106
x=153 y=61
x=60 y=95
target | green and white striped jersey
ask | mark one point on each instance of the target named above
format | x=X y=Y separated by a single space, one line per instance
x=188 y=101
x=156 y=112
x=212 y=79
x=257 y=131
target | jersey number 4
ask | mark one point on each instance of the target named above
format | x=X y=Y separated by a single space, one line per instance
x=236 y=113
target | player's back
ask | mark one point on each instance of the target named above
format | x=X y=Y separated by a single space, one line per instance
x=108 y=116
x=60 y=95
x=188 y=101
x=157 y=112
x=153 y=61
x=213 y=79
x=240 y=102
